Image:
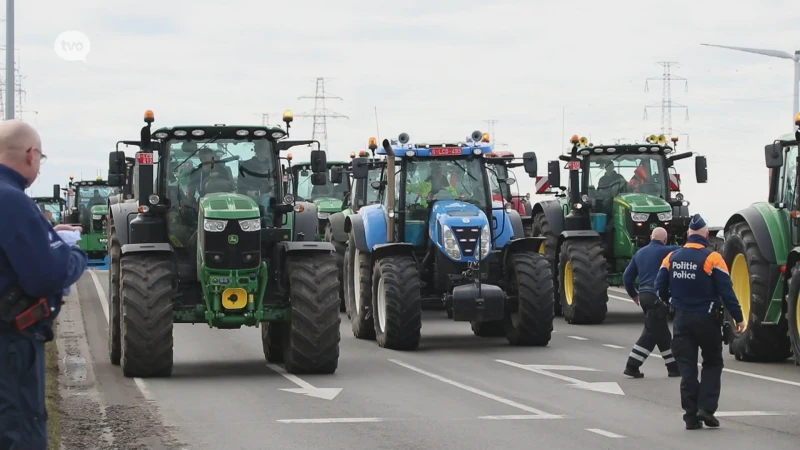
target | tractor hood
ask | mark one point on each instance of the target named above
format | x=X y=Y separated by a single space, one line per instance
x=328 y=204
x=457 y=213
x=644 y=203
x=224 y=205
x=99 y=210
x=467 y=223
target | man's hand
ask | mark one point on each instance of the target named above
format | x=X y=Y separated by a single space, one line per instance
x=636 y=300
x=740 y=326
x=65 y=227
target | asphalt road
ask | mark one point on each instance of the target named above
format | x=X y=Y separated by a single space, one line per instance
x=457 y=391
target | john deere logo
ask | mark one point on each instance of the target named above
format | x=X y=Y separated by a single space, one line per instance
x=653 y=226
x=233 y=239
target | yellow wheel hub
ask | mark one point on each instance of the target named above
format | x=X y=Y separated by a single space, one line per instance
x=740 y=276
x=541 y=248
x=569 y=283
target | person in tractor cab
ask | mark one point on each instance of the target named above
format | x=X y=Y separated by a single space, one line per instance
x=218 y=155
x=253 y=183
x=610 y=178
x=639 y=178
x=96 y=199
x=199 y=179
x=427 y=189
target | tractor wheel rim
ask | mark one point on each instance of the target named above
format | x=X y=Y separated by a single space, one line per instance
x=381 y=305
x=569 y=282
x=357 y=282
x=740 y=276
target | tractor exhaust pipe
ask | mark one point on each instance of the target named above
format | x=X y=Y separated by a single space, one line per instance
x=391 y=186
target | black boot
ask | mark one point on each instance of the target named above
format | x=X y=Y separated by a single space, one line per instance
x=672 y=370
x=633 y=372
x=707 y=418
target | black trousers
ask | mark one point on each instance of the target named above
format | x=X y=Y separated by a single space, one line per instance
x=23 y=416
x=698 y=331
x=655 y=333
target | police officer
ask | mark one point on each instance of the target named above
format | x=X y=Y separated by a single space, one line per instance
x=697 y=277
x=645 y=264
x=35 y=264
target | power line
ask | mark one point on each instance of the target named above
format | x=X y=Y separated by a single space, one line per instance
x=320 y=114
x=666 y=103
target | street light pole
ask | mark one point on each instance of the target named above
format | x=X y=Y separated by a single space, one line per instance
x=777 y=54
x=11 y=80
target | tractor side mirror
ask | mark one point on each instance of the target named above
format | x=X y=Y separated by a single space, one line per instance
x=303 y=173
x=554 y=173
x=510 y=181
x=529 y=161
x=116 y=162
x=319 y=162
x=319 y=179
x=700 y=169
x=360 y=168
x=116 y=180
x=377 y=184
x=336 y=175
x=773 y=154
x=56 y=191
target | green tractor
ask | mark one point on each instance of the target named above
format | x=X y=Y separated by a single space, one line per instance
x=53 y=207
x=762 y=252
x=216 y=241
x=616 y=195
x=88 y=207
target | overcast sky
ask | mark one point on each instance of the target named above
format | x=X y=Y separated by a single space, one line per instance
x=433 y=69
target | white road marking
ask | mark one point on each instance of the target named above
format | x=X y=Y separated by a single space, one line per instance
x=748 y=413
x=519 y=417
x=610 y=387
x=305 y=387
x=605 y=433
x=334 y=420
x=476 y=391
x=578 y=338
x=612 y=346
x=617 y=297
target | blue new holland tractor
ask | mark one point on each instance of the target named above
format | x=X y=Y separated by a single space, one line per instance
x=437 y=235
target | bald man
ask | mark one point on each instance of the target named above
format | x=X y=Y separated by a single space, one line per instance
x=35 y=266
x=644 y=266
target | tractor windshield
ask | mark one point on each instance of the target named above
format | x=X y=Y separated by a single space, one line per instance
x=446 y=179
x=306 y=191
x=373 y=194
x=610 y=175
x=51 y=210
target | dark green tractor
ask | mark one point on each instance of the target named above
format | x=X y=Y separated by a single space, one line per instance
x=217 y=241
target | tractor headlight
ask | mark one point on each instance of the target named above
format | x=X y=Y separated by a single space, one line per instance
x=451 y=243
x=640 y=217
x=665 y=216
x=214 y=226
x=486 y=243
x=323 y=215
x=250 y=224
x=96 y=217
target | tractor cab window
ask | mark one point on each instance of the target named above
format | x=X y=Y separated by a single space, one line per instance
x=788 y=175
x=445 y=179
x=52 y=211
x=500 y=191
x=306 y=191
x=611 y=175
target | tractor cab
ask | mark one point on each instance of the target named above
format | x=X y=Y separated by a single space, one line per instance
x=52 y=207
x=500 y=166
x=328 y=197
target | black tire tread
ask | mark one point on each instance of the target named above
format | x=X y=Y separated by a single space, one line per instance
x=590 y=303
x=403 y=302
x=362 y=322
x=272 y=341
x=541 y=227
x=114 y=342
x=792 y=305
x=532 y=279
x=340 y=248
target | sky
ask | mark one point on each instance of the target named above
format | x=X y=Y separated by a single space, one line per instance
x=435 y=70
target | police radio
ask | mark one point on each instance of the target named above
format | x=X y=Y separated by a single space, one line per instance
x=22 y=310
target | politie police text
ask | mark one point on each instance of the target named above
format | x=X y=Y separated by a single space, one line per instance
x=686 y=270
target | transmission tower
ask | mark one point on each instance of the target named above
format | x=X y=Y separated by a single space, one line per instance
x=492 y=137
x=320 y=114
x=666 y=103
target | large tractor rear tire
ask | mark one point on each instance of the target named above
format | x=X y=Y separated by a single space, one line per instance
x=541 y=227
x=147 y=290
x=750 y=276
x=114 y=340
x=530 y=281
x=272 y=341
x=717 y=243
x=311 y=338
x=397 y=303
x=793 y=312
x=340 y=251
x=358 y=291
x=582 y=281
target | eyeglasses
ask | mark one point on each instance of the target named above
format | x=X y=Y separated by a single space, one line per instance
x=42 y=156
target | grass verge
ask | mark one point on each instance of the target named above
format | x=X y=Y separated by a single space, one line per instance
x=53 y=398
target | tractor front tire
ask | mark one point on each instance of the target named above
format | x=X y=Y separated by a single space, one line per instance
x=340 y=252
x=272 y=341
x=147 y=290
x=541 y=227
x=582 y=281
x=311 y=339
x=530 y=282
x=750 y=276
x=793 y=312
x=396 y=302
x=114 y=340
x=358 y=284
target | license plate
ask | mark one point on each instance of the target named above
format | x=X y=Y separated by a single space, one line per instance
x=145 y=159
x=446 y=151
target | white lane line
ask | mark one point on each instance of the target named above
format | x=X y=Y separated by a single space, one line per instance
x=612 y=346
x=140 y=383
x=334 y=420
x=605 y=433
x=475 y=391
x=748 y=374
x=748 y=413
x=519 y=417
x=578 y=338
x=617 y=297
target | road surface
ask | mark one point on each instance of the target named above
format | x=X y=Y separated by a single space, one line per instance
x=457 y=391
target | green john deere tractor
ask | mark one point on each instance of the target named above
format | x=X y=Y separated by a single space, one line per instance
x=762 y=251
x=52 y=206
x=216 y=241
x=88 y=207
x=616 y=195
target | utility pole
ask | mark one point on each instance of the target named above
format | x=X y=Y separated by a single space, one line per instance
x=320 y=114
x=10 y=78
x=666 y=103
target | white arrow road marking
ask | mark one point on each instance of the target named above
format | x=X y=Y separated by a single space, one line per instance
x=605 y=433
x=605 y=387
x=334 y=420
x=305 y=387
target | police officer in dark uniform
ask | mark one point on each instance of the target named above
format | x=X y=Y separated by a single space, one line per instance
x=697 y=278
x=645 y=264
x=35 y=267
